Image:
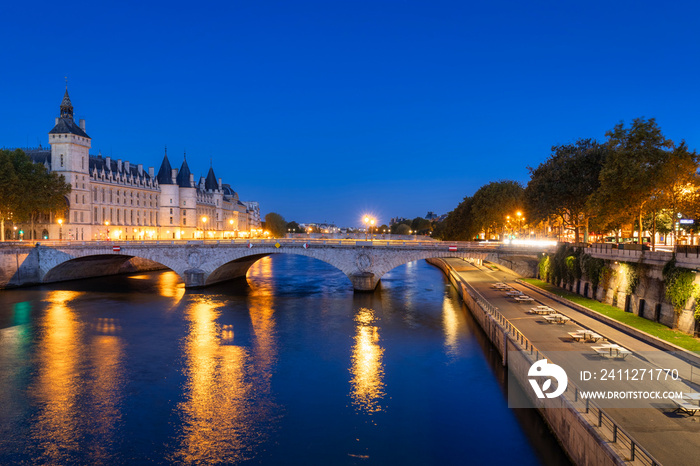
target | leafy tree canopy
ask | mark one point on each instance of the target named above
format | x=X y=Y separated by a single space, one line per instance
x=276 y=225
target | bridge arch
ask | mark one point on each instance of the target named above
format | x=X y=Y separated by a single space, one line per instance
x=57 y=266
x=203 y=263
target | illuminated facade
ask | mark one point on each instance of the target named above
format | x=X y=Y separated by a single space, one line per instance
x=119 y=200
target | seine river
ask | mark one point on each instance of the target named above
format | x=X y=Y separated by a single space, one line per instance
x=291 y=368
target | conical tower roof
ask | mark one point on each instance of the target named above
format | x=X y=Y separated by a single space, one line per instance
x=210 y=182
x=165 y=172
x=183 y=176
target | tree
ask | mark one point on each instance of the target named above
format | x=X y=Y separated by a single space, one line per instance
x=402 y=229
x=459 y=224
x=9 y=196
x=493 y=202
x=276 y=225
x=563 y=185
x=631 y=176
x=293 y=227
x=37 y=191
x=421 y=225
x=395 y=227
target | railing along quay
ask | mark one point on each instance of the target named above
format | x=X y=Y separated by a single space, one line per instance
x=614 y=432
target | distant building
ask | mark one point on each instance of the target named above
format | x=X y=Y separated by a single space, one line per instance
x=119 y=200
x=397 y=220
x=431 y=216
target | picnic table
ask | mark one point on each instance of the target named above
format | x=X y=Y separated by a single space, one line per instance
x=585 y=335
x=556 y=319
x=542 y=310
x=612 y=350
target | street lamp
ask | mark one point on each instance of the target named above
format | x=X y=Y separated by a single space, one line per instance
x=371 y=223
x=60 y=228
x=107 y=225
x=204 y=226
x=519 y=214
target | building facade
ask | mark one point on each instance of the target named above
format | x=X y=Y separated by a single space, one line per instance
x=118 y=200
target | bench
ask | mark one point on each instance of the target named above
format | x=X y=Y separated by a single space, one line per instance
x=685 y=407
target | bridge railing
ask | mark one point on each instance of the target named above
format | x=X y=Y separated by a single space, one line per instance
x=606 y=424
x=436 y=245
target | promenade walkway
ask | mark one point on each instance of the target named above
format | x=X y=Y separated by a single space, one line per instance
x=672 y=438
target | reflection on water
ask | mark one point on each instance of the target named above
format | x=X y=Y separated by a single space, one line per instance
x=367 y=369
x=106 y=390
x=454 y=327
x=121 y=370
x=56 y=427
x=225 y=405
x=170 y=286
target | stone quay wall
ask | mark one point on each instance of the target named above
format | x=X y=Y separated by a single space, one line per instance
x=579 y=438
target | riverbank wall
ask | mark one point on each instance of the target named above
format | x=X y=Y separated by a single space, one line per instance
x=585 y=440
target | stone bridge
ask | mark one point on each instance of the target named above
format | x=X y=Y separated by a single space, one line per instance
x=202 y=263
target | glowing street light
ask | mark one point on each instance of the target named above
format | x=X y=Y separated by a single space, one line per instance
x=60 y=228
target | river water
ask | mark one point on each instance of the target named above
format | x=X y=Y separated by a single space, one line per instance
x=291 y=367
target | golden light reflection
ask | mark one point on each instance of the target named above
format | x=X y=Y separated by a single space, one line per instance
x=262 y=320
x=106 y=353
x=367 y=368
x=56 y=386
x=219 y=415
x=453 y=325
x=170 y=285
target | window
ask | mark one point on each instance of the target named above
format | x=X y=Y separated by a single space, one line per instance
x=76 y=198
x=61 y=159
x=94 y=192
x=83 y=198
x=82 y=163
x=81 y=217
x=171 y=220
x=171 y=211
x=94 y=219
x=184 y=221
x=118 y=212
x=184 y=202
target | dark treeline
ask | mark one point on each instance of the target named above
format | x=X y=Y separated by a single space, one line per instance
x=636 y=180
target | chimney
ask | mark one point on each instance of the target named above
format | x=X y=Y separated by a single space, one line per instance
x=119 y=165
x=140 y=168
x=126 y=166
x=56 y=120
x=191 y=180
x=173 y=175
x=150 y=172
x=220 y=186
x=81 y=123
x=108 y=160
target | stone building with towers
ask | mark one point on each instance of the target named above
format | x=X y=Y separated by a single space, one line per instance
x=119 y=200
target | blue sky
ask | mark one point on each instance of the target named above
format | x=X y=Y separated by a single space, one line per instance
x=323 y=111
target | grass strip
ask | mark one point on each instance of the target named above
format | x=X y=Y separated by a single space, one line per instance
x=640 y=323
